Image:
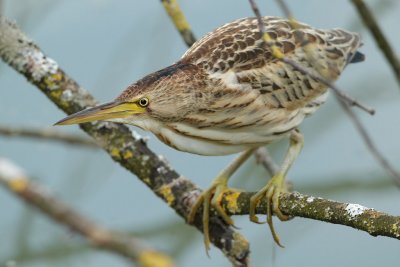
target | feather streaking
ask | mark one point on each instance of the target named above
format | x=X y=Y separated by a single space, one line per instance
x=228 y=93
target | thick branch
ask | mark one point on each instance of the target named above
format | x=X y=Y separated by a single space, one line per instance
x=131 y=152
x=13 y=179
x=47 y=134
x=22 y=54
x=374 y=222
x=373 y=26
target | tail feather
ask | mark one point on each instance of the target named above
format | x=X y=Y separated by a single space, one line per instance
x=357 y=57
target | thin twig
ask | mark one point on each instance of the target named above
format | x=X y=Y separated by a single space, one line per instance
x=285 y=8
x=234 y=202
x=345 y=101
x=131 y=152
x=47 y=134
x=14 y=179
x=265 y=159
x=276 y=52
x=178 y=18
x=295 y=204
x=261 y=154
x=370 y=144
x=361 y=129
x=341 y=94
x=373 y=26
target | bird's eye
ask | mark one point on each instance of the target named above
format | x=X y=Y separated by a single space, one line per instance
x=144 y=102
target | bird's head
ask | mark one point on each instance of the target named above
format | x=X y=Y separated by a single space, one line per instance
x=165 y=95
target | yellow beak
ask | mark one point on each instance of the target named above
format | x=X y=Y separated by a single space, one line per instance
x=112 y=110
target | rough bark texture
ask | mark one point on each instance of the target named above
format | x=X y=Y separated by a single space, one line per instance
x=17 y=50
x=22 y=54
x=374 y=222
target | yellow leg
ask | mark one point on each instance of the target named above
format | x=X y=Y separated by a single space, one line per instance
x=212 y=196
x=276 y=185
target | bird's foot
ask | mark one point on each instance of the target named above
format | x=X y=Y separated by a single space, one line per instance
x=211 y=198
x=271 y=192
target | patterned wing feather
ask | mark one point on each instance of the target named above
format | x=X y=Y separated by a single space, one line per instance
x=237 y=48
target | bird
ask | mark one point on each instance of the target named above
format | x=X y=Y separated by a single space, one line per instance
x=229 y=94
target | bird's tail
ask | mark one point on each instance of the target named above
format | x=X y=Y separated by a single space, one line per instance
x=357 y=57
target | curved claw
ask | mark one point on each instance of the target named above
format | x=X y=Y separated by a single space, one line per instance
x=271 y=192
x=210 y=198
x=253 y=205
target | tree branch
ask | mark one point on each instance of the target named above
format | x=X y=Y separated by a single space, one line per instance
x=47 y=134
x=178 y=18
x=380 y=39
x=264 y=158
x=22 y=54
x=318 y=75
x=13 y=179
x=132 y=153
x=295 y=204
x=374 y=222
x=344 y=100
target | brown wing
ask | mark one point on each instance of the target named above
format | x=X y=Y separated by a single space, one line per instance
x=237 y=47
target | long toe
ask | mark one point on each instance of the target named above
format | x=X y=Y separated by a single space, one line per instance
x=193 y=211
x=271 y=193
x=254 y=201
x=216 y=203
x=211 y=198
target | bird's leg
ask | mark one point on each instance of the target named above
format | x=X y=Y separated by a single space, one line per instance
x=212 y=196
x=276 y=185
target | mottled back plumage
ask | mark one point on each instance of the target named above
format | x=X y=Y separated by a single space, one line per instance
x=228 y=92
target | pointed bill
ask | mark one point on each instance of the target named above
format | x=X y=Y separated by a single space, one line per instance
x=104 y=112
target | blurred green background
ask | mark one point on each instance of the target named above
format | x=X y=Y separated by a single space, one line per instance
x=105 y=45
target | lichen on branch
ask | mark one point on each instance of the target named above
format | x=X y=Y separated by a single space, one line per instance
x=374 y=222
x=131 y=151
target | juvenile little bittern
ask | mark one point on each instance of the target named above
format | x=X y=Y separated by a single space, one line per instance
x=228 y=94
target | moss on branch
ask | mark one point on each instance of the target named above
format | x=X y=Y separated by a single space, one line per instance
x=374 y=222
x=131 y=151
